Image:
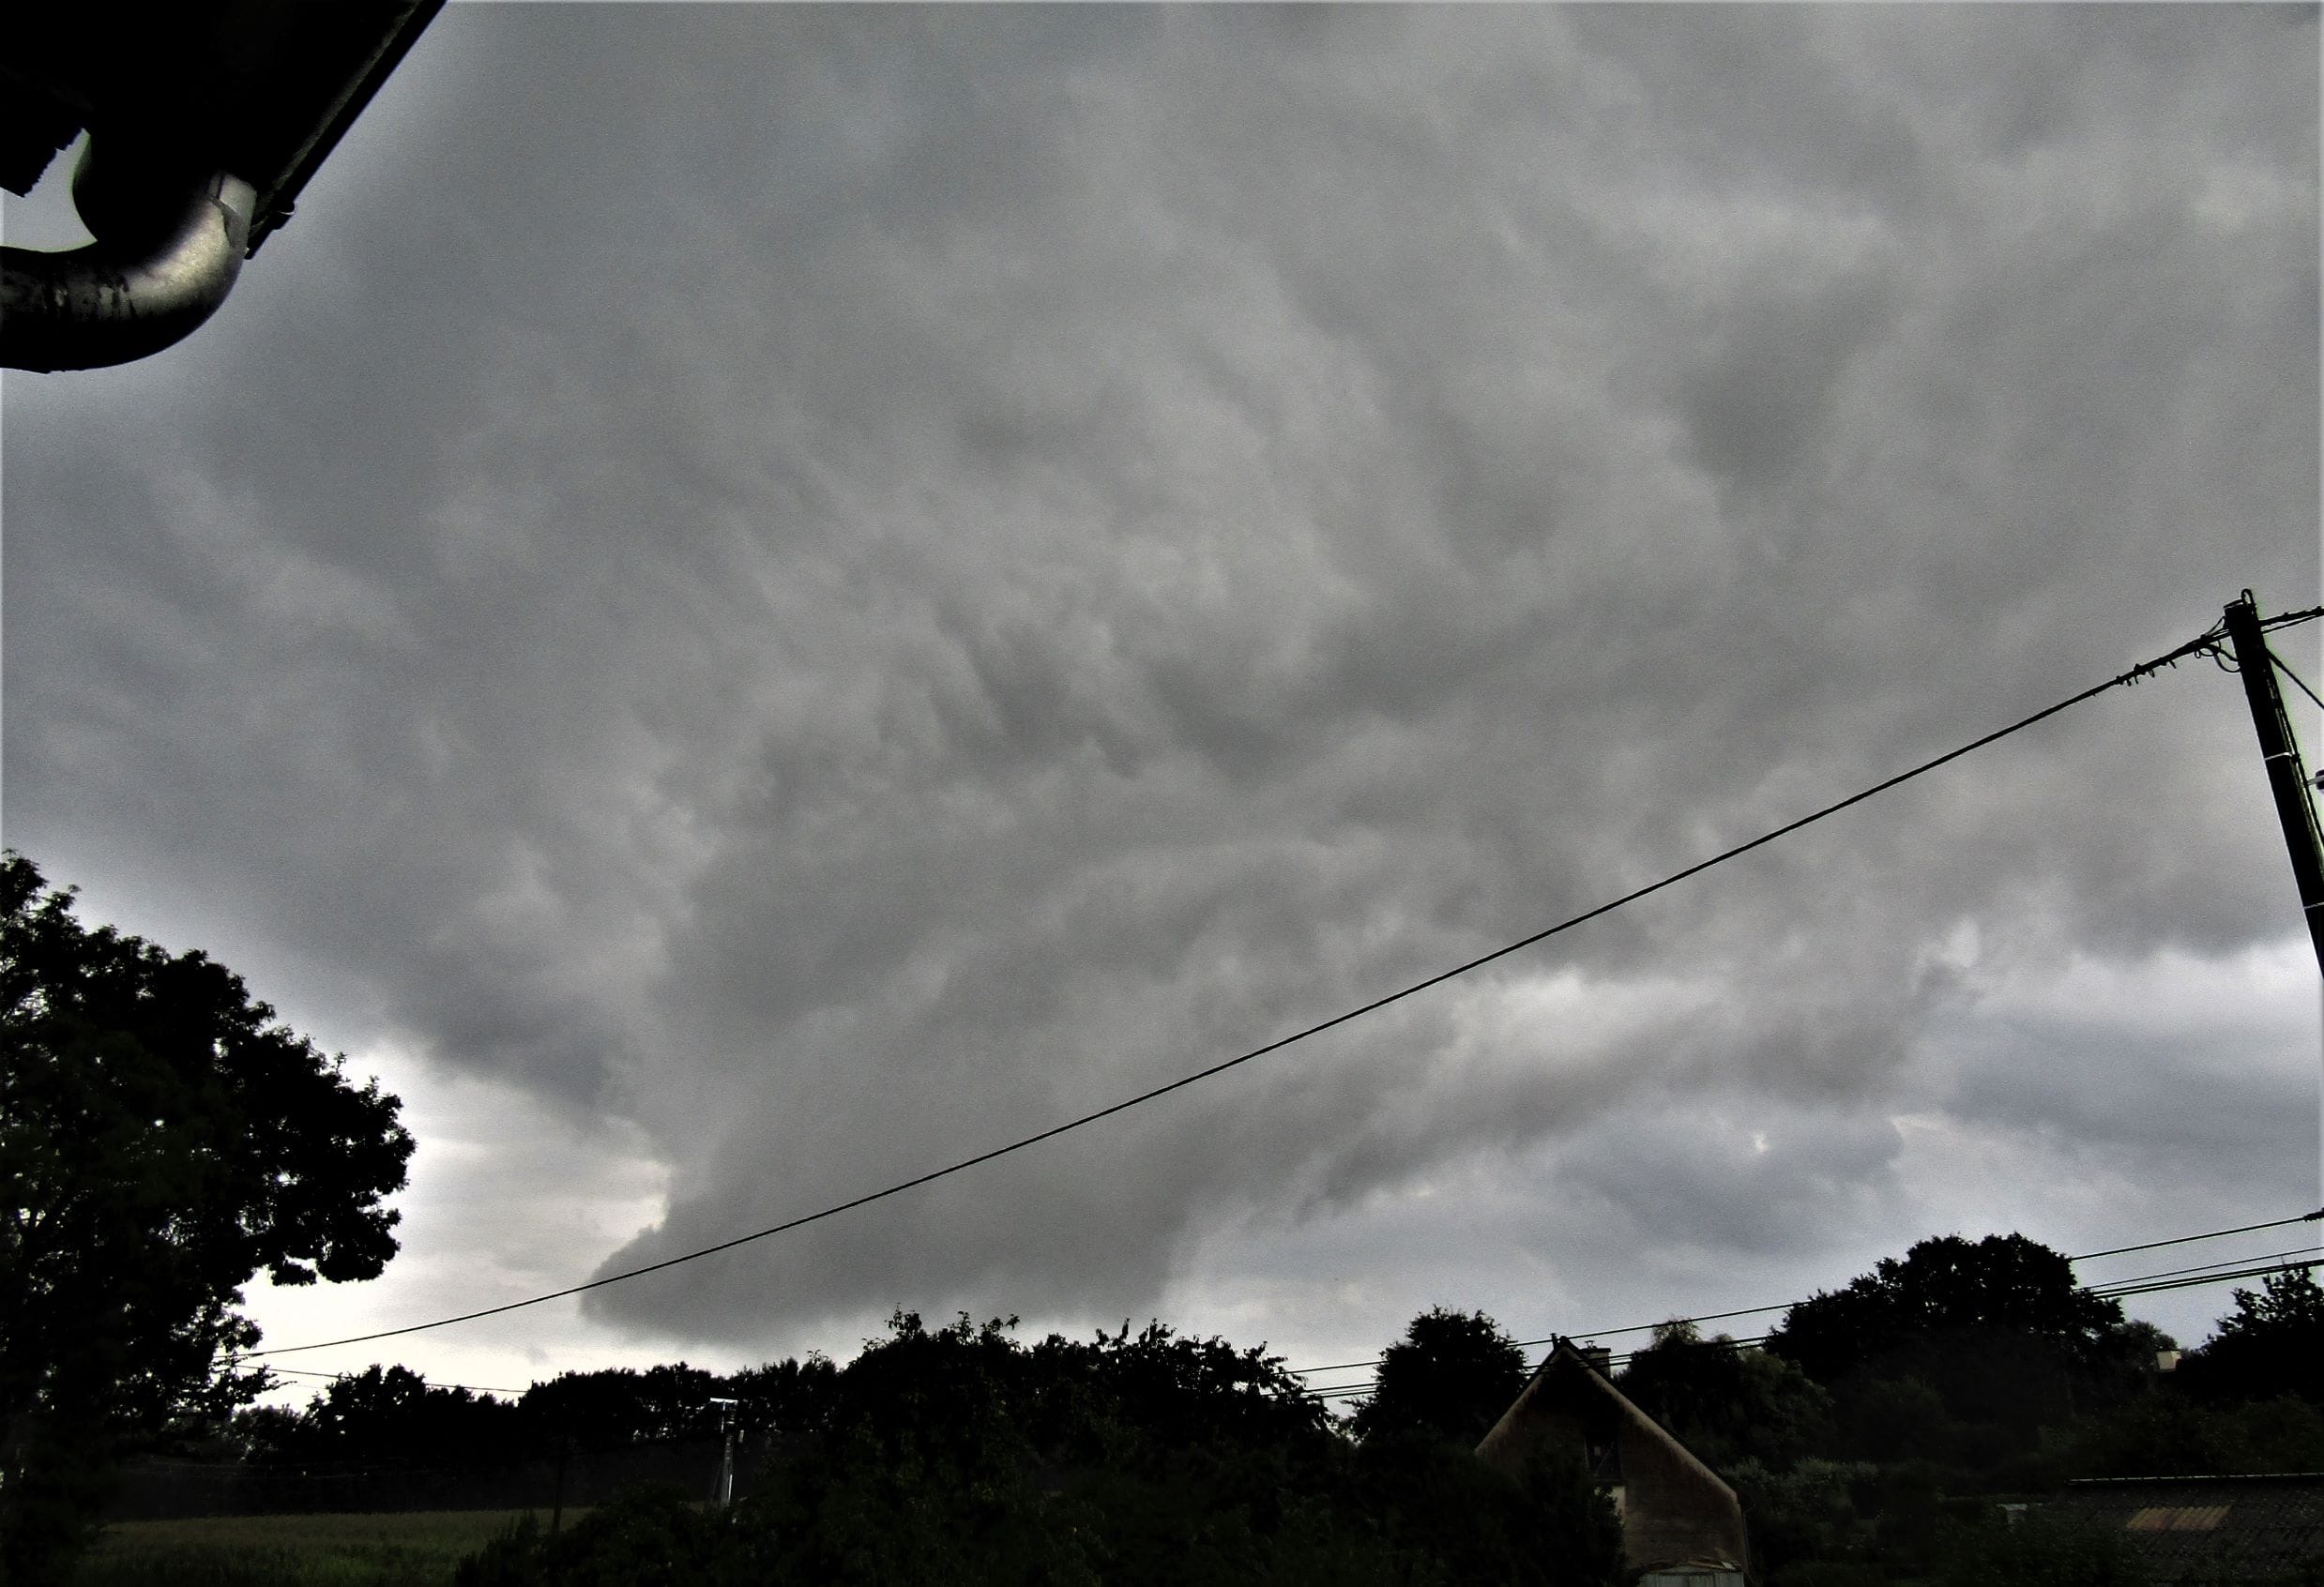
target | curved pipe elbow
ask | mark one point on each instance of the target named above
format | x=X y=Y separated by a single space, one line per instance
x=110 y=303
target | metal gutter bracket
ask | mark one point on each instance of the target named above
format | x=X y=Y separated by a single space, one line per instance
x=166 y=254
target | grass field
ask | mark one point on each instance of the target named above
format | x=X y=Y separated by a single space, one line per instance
x=419 y=1550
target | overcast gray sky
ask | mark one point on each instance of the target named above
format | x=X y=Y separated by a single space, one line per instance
x=755 y=600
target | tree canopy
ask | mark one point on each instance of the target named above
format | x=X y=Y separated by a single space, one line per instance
x=958 y=1452
x=162 y=1140
x=1449 y=1378
x=2272 y=1343
x=1944 y=1288
x=959 y=1455
x=1726 y=1403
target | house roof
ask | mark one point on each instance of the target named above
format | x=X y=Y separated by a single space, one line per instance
x=2247 y=1528
x=1676 y=1511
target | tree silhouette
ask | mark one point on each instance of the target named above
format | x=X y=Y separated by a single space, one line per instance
x=162 y=1140
x=1962 y=1353
x=388 y=1416
x=1945 y=1289
x=2272 y=1343
x=1725 y=1403
x=959 y=1455
x=1449 y=1378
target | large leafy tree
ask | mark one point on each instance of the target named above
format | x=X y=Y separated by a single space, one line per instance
x=389 y=1416
x=2272 y=1344
x=958 y=1455
x=1943 y=1291
x=605 y=1409
x=1726 y=1403
x=1961 y=1353
x=162 y=1140
x=1449 y=1378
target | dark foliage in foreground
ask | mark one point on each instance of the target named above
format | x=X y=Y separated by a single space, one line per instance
x=959 y=1456
x=161 y=1141
x=1870 y=1442
x=1963 y=1373
x=2272 y=1345
x=1449 y=1378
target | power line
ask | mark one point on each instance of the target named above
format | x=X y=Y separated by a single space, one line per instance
x=1584 y=1334
x=1645 y=1327
x=427 y=1381
x=2303 y=1264
x=2315 y=1216
x=2100 y=1288
x=2308 y=1261
x=2311 y=1253
x=2208 y=642
x=1614 y=1359
x=2290 y=673
x=2226 y=662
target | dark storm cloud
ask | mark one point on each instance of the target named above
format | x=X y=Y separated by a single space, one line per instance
x=846 y=583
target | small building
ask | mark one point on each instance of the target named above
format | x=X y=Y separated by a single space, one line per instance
x=2212 y=1528
x=1682 y=1525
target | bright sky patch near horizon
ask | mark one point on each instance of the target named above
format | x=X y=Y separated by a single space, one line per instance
x=752 y=600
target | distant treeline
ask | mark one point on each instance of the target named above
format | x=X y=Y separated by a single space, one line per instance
x=386 y=1439
x=1869 y=1439
x=1883 y=1418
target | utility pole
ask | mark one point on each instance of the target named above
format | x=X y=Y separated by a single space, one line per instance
x=726 y=1455
x=564 y=1455
x=2287 y=777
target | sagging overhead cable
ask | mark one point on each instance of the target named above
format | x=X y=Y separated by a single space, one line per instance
x=2202 y=644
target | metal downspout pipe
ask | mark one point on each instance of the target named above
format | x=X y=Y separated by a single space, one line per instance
x=165 y=258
